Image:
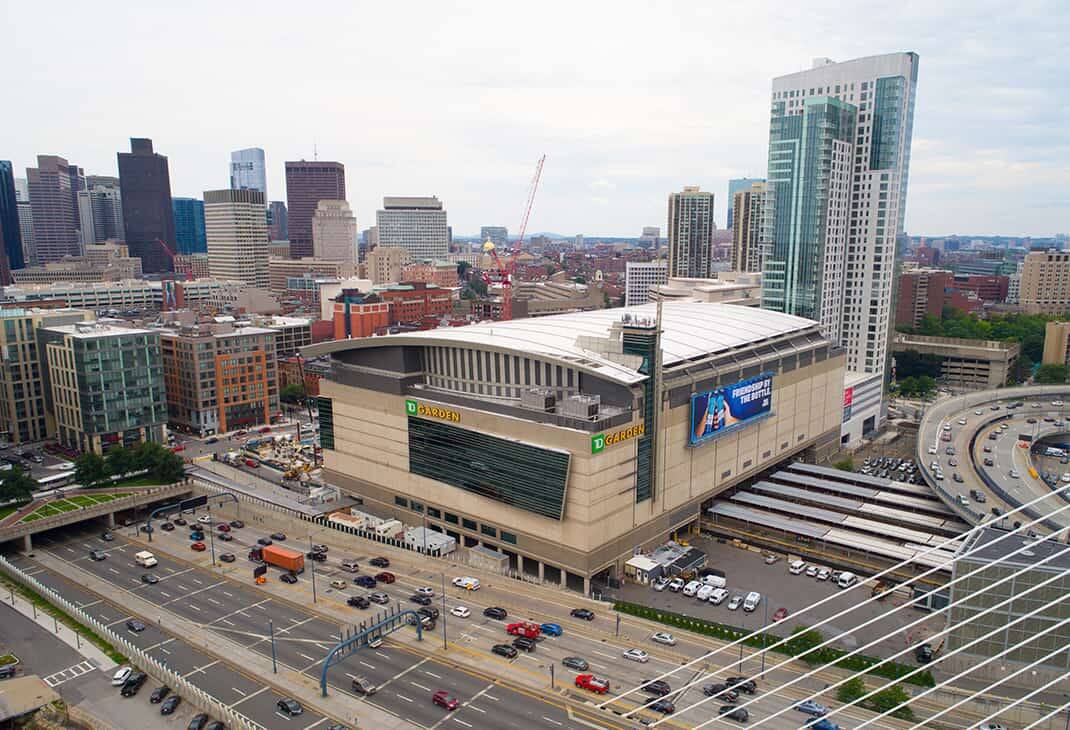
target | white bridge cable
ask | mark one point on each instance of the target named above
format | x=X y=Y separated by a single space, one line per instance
x=940 y=546
x=918 y=670
x=884 y=615
x=1065 y=708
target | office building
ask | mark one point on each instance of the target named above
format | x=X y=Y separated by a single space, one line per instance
x=29 y=244
x=1056 y=343
x=358 y=314
x=100 y=210
x=291 y=333
x=191 y=265
x=219 y=377
x=639 y=276
x=248 y=171
x=189 y=225
x=281 y=270
x=11 y=255
x=738 y=185
x=55 y=225
x=650 y=239
x=235 y=227
x=307 y=183
x=417 y=225
x=965 y=364
x=138 y=294
x=107 y=385
x=278 y=229
x=498 y=235
x=1044 y=287
x=839 y=153
x=25 y=401
x=334 y=231
x=746 y=207
x=148 y=219
x=440 y=273
x=101 y=262
x=385 y=264
x=538 y=438
x=691 y=229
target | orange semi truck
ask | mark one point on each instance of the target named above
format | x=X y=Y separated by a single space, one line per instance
x=284 y=558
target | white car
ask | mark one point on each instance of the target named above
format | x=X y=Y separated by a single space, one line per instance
x=978 y=412
x=426 y=591
x=704 y=593
x=1057 y=403
x=661 y=584
x=1014 y=474
x=636 y=655
x=120 y=676
x=205 y=520
x=962 y=421
x=933 y=450
x=735 y=602
x=796 y=567
x=663 y=637
x=692 y=588
x=460 y=611
x=718 y=596
x=811 y=571
x=823 y=574
x=947 y=426
x=467 y=582
x=1036 y=405
x=676 y=584
x=752 y=600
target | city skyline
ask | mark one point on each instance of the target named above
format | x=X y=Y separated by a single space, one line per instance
x=994 y=170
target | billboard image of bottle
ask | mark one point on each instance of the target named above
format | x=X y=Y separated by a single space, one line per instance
x=716 y=412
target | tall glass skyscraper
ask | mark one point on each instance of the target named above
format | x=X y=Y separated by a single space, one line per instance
x=10 y=231
x=839 y=152
x=189 y=225
x=248 y=171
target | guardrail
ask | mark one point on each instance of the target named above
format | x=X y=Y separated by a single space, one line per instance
x=189 y=692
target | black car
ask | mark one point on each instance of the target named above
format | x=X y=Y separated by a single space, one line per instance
x=107 y=536
x=181 y=522
x=742 y=684
x=358 y=602
x=288 y=578
x=237 y=524
x=289 y=706
x=133 y=684
x=149 y=578
x=364 y=581
x=422 y=600
x=721 y=691
x=657 y=687
x=215 y=725
x=429 y=611
x=198 y=722
x=212 y=440
x=495 y=612
x=585 y=614
x=317 y=556
x=380 y=562
x=924 y=653
x=317 y=548
x=739 y=714
x=505 y=650
x=524 y=643
x=577 y=663
x=227 y=557
x=265 y=541
x=279 y=536
x=167 y=526
x=381 y=598
x=136 y=626
x=225 y=537
x=664 y=706
x=170 y=705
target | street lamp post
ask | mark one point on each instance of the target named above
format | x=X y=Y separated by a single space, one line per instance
x=274 y=662
x=444 y=646
x=313 y=563
x=211 y=533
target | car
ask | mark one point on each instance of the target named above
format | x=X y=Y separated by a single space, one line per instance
x=742 y=684
x=318 y=557
x=578 y=663
x=987 y=449
x=962 y=421
x=205 y=519
x=278 y=536
x=212 y=440
x=495 y=612
x=227 y=557
x=444 y=699
x=120 y=676
x=422 y=600
x=663 y=637
x=592 y=683
x=170 y=705
x=98 y=555
x=338 y=584
x=796 y=566
x=551 y=629
x=950 y=450
x=932 y=449
x=133 y=684
x=661 y=584
x=676 y=585
x=134 y=625
x=378 y=597
x=107 y=536
x=718 y=596
x=237 y=524
x=584 y=613
x=363 y=686
x=780 y=614
x=288 y=578
x=265 y=541
x=826 y=724
x=810 y=707
x=1031 y=420
x=811 y=571
x=721 y=691
x=957 y=477
x=692 y=588
x=524 y=643
x=461 y=611
x=1013 y=474
x=8 y=671
x=159 y=693
x=379 y=562
x=198 y=722
x=824 y=574
x=167 y=526
x=978 y=412
x=636 y=655
x=426 y=591
x=289 y=706
x=149 y=578
x=364 y=581
x=952 y=462
x=992 y=726
x=223 y=527
x=506 y=650
x=358 y=602
x=180 y=521
x=657 y=687
x=1057 y=403
x=196 y=535
x=664 y=706
x=225 y=537
x=739 y=714
x=770 y=559
x=924 y=654
x=946 y=427
x=318 y=548
x=197 y=547
x=385 y=577
x=735 y=602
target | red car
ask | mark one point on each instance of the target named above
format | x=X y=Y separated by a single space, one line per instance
x=223 y=527
x=179 y=447
x=593 y=683
x=781 y=614
x=442 y=698
x=266 y=429
x=197 y=546
x=385 y=577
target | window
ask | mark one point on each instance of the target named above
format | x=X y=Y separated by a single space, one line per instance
x=468 y=524
x=401 y=501
x=451 y=518
x=488 y=530
x=416 y=506
x=508 y=537
x=433 y=512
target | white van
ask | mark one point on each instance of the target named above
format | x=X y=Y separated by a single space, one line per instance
x=752 y=600
x=846 y=580
x=796 y=566
x=718 y=596
x=692 y=588
x=714 y=580
x=704 y=592
x=145 y=559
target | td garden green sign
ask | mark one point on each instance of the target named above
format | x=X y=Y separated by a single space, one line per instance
x=602 y=440
x=415 y=408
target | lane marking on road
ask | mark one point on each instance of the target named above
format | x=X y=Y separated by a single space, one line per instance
x=317 y=722
x=165 y=594
x=249 y=697
x=550 y=719
x=213 y=601
x=369 y=666
x=227 y=594
x=114 y=570
x=457 y=719
x=194 y=607
x=432 y=674
x=323 y=646
x=284 y=717
x=351 y=676
x=165 y=651
x=239 y=691
x=602 y=653
x=225 y=621
x=201 y=669
x=477 y=709
x=420 y=686
x=198 y=582
x=403 y=697
x=306 y=656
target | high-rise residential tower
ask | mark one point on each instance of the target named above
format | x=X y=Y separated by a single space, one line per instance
x=236 y=227
x=691 y=229
x=55 y=224
x=247 y=170
x=334 y=231
x=839 y=153
x=277 y=221
x=417 y=225
x=100 y=210
x=737 y=185
x=10 y=230
x=745 y=209
x=189 y=225
x=307 y=183
x=148 y=220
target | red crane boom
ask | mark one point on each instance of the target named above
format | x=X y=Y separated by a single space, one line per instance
x=506 y=274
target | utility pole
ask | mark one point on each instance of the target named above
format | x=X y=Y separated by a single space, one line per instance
x=312 y=562
x=444 y=646
x=274 y=661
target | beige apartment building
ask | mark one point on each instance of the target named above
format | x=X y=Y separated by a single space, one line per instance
x=385 y=264
x=235 y=224
x=279 y=270
x=1045 y=283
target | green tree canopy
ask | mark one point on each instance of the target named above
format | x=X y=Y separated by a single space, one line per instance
x=90 y=469
x=120 y=461
x=851 y=690
x=1051 y=374
x=292 y=393
x=16 y=485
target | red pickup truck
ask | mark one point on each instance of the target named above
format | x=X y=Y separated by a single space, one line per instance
x=523 y=628
x=593 y=683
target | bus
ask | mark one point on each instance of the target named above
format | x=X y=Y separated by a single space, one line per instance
x=54 y=481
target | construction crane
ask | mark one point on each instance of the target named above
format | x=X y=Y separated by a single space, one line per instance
x=505 y=273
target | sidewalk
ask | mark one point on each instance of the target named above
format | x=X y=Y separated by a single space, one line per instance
x=60 y=630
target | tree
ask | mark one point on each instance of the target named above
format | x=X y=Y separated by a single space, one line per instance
x=292 y=393
x=17 y=486
x=894 y=699
x=851 y=690
x=146 y=455
x=462 y=270
x=90 y=469
x=478 y=286
x=1051 y=374
x=119 y=461
x=168 y=467
x=847 y=464
x=803 y=641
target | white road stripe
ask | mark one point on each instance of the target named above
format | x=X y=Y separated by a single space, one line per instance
x=432 y=674
x=369 y=666
x=555 y=722
x=457 y=719
x=306 y=656
x=239 y=691
x=165 y=594
x=477 y=709
x=420 y=686
x=403 y=697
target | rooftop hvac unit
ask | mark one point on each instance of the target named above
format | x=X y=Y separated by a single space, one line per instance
x=539 y=399
x=582 y=406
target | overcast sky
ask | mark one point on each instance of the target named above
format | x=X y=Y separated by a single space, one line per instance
x=629 y=101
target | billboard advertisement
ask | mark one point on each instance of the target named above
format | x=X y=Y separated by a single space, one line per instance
x=726 y=409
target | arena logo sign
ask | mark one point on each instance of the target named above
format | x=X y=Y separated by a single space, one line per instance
x=413 y=408
x=602 y=440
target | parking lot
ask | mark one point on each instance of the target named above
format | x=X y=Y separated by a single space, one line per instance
x=746 y=571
